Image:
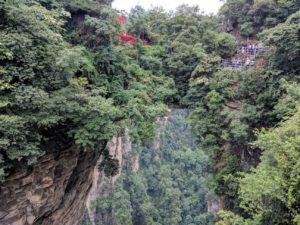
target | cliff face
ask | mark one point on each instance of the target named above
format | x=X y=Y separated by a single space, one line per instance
x=53 y=192
x=118 y=148
x=215 y=206
x=141 y=192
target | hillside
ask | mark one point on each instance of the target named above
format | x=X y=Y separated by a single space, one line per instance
x=192 y=120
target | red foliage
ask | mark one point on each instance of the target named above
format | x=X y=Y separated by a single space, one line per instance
x=146 y=43
x=121 y=19
x=127 y=38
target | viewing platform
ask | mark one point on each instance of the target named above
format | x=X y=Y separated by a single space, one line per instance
x=246 y=57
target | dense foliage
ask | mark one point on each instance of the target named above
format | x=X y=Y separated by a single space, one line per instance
x=253 y=174
x=253 y=16
x=186 y=38
x=64 y=79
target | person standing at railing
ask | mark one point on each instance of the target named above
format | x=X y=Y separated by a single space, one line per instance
x=254 y=50
x=243 y=50
x=233 y=64
x=247 y=63
x=249 y=48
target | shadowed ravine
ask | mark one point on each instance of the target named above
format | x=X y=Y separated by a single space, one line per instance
x=166 y=187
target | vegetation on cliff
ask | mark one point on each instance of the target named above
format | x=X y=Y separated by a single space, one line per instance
x=65 y=78
x=169 y=186
x=257 y=188
x=234 y=112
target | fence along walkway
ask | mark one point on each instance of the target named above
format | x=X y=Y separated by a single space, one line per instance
x=245 y=57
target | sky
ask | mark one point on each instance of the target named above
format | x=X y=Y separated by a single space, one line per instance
x=208 y=6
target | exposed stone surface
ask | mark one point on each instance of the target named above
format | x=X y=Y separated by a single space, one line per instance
x=136 y=163
x=98 y=181
x=215 y=206
x=233 y=105
x=53 y=192
x=118 y=147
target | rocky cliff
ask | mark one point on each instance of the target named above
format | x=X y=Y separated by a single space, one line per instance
x=139 y=192
x=52 y=192
x=118 y=147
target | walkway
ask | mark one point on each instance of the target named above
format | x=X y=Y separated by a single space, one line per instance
x=245 y=57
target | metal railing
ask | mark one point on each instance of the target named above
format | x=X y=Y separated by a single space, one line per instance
x=245 y=58
x=233 y=64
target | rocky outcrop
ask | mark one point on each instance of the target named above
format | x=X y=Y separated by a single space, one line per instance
x=118 y=147
x=136 y=163
x=52 y=192
x=98 y=181
x=215 y=206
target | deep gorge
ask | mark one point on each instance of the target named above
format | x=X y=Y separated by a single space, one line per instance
x=154 y=172
x=150 y=117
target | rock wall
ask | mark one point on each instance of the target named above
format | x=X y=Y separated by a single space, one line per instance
x=53 y=192
x=118 y=147
x=98 y=180
x=215 y=206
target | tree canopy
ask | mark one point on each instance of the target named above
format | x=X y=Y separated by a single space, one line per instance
x=66 y=79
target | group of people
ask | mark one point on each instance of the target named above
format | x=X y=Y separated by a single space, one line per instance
x=236 y=63
x=245 y=56
x=249 y=49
